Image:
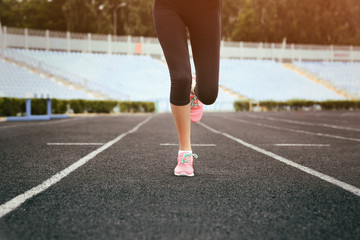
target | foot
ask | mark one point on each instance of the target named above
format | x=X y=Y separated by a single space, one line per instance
x=196 y=108
x=184 y=166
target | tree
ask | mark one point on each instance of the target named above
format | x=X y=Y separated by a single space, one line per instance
x=39 y=14
x=305 y=21
x=86 y=16
x=229 y=12
x=140 y=18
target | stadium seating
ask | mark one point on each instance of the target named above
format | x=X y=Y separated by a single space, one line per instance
x=270 y=80
x=143 y=78
x=19 y=82
x=345 y=75
x=118 y=76
x=121 y=77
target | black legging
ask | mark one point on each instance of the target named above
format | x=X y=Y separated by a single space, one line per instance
x=203 y=20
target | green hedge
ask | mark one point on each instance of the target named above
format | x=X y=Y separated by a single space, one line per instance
x=241 y=106
x=300 y=104
x=12 y=106
x=137 y=106
x=16 y=106
x=59 y=106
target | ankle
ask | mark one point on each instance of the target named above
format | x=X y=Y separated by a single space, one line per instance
x=185 y=147
x=184 y=151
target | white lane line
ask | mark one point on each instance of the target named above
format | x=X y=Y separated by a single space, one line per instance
x=20 y=199
x=310 y=171
x=66 y=144
x=196 y=145
x=39 y=123
x=294 y=130
x=306 y=123
x=51 y=122
x=301 y=145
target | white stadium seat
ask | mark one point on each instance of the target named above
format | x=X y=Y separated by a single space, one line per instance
x=143 y=78
x=345 y=75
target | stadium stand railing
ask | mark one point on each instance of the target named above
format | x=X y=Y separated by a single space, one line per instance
x=82 y=42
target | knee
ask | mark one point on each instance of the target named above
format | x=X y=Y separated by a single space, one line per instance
x=208 y=96
x=180 y=89
x=181 y=82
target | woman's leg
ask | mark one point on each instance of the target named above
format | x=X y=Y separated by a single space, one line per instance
x=205 y=35
x=171 y=32
x=181 y=115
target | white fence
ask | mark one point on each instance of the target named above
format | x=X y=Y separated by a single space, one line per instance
x=66 y=41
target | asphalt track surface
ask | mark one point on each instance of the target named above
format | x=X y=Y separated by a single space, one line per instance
x=128 y=191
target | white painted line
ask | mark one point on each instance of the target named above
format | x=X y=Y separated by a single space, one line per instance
x=80 y=144
x=340 y=127
x=196 y=145
x=306 y=123
x=301 y=145
x=310 y=171
x=209 y=128
x=39 y=123
x=294 y=130
x=20 y=199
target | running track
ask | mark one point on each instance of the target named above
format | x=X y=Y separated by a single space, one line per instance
x=287 y=175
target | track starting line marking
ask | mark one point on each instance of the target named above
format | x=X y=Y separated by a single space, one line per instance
x=81 y=144
x=20 y=199
x=307 y=170
x=301 y=145
x=196 y=145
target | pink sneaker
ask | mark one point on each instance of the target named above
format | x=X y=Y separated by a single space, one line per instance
x=184 y=166
x=196 y=108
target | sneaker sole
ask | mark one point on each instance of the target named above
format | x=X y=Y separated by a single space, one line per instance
x=184 y=174
x=195 y=121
